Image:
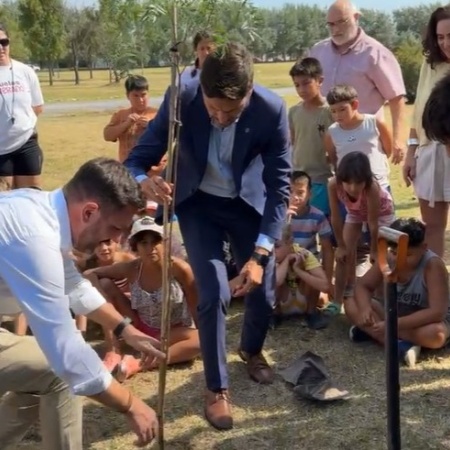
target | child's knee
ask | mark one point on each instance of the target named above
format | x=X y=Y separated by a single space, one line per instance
x=437 y=336
x=433 y=336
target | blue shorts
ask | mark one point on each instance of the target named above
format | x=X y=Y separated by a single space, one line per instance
x=319 y=197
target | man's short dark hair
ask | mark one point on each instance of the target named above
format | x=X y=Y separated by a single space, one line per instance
x=307 y=67
x=136 y=83
x=436 y=114
x=227 y=72
x=341 y=93
x=108 y=182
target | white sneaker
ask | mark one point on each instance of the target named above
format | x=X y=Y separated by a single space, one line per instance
x=411 y=356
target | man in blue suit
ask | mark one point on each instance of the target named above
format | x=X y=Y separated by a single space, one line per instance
x=232 y=180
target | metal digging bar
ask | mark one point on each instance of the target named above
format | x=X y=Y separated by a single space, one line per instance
x=388 y=236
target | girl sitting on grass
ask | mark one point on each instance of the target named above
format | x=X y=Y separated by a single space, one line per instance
x=105 y=254
x=365 y=201
x=144 y=307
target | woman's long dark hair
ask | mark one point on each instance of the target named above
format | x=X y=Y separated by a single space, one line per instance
x=430 y=46
x=199 y=36
x=355 y=166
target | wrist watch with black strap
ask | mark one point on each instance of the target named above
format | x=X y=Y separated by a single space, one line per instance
x=121 y=326
x=260 y=259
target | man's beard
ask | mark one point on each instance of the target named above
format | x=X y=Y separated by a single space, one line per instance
x=347 y=37
x=87 y=241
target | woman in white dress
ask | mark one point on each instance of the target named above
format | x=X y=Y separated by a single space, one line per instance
x=427 y=164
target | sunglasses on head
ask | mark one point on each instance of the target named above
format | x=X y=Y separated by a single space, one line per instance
x=4 y=42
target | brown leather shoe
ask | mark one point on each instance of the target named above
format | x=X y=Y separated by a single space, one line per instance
x=218 y=410
x=258 y=368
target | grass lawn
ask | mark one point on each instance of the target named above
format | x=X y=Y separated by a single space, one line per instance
x=99 y=88
x=267 y=417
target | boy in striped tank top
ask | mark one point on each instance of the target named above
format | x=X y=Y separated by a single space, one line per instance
x=309 y=224
x=422 y=296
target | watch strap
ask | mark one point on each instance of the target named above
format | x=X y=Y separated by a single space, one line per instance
x=121 y=326
x=260 y=259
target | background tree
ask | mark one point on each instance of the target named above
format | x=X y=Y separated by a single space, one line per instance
x=42 y=22
x=9 y=16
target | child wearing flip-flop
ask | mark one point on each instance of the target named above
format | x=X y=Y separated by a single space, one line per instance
x=300 y=279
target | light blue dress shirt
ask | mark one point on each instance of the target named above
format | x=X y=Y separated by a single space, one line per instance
x=218 y=178
x=37 y=267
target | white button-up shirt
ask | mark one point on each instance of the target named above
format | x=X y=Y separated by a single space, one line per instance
x=36 y=265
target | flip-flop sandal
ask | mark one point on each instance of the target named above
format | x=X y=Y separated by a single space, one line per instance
x=332 y=309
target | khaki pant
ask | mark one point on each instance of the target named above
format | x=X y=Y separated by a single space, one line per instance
x=35 y=392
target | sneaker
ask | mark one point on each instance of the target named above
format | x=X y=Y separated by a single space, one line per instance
x=362 y=266
x=357 y=335
x=111 y=361
x=317 y=321
x=408 y=353
x=128 y=367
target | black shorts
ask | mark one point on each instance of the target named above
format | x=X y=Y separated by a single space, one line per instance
x=25 y=161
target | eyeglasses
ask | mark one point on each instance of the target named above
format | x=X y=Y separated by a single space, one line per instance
x=338 y=23
x=4 y=42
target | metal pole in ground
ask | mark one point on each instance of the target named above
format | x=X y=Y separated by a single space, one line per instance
x=387 y=237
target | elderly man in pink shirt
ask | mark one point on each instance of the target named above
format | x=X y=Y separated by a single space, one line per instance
x=351 y=57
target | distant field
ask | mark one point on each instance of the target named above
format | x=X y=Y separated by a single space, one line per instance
x=64 y=90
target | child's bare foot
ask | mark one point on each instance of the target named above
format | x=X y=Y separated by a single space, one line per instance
x=128 y=367
x=111 y=361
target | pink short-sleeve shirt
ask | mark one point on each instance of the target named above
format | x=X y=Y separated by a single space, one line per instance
x=367 y=65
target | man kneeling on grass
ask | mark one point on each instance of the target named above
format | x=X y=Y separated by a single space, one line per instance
x=422 y=295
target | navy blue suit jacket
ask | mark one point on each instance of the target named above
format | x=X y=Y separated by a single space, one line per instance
x=261 y=159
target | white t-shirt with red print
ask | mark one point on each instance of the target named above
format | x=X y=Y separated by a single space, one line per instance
x=19 y=93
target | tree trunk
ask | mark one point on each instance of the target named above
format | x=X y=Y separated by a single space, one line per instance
x=116 y=75
x=50 y=73
x=75 y=63
x=91 y=70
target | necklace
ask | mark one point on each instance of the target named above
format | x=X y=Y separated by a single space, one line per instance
x=10 y=110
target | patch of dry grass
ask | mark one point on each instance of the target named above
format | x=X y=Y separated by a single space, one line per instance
x=99 y=88
x=267 y=417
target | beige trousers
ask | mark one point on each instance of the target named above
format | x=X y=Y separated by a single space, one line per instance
x=34 y=392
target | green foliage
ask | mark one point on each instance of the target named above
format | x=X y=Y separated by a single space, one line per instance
x=9 y=16
x=42 y=22
x=409 y=56
x=128 y=34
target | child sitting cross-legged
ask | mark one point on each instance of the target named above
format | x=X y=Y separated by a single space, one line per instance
x=144 y=308
x=300 y=279
x=423 y=298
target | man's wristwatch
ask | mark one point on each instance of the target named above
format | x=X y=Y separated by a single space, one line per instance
x=261 y=260
x=119 y=329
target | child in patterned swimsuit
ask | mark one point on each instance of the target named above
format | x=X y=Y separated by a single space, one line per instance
x=365 y=201
x=144 y=276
